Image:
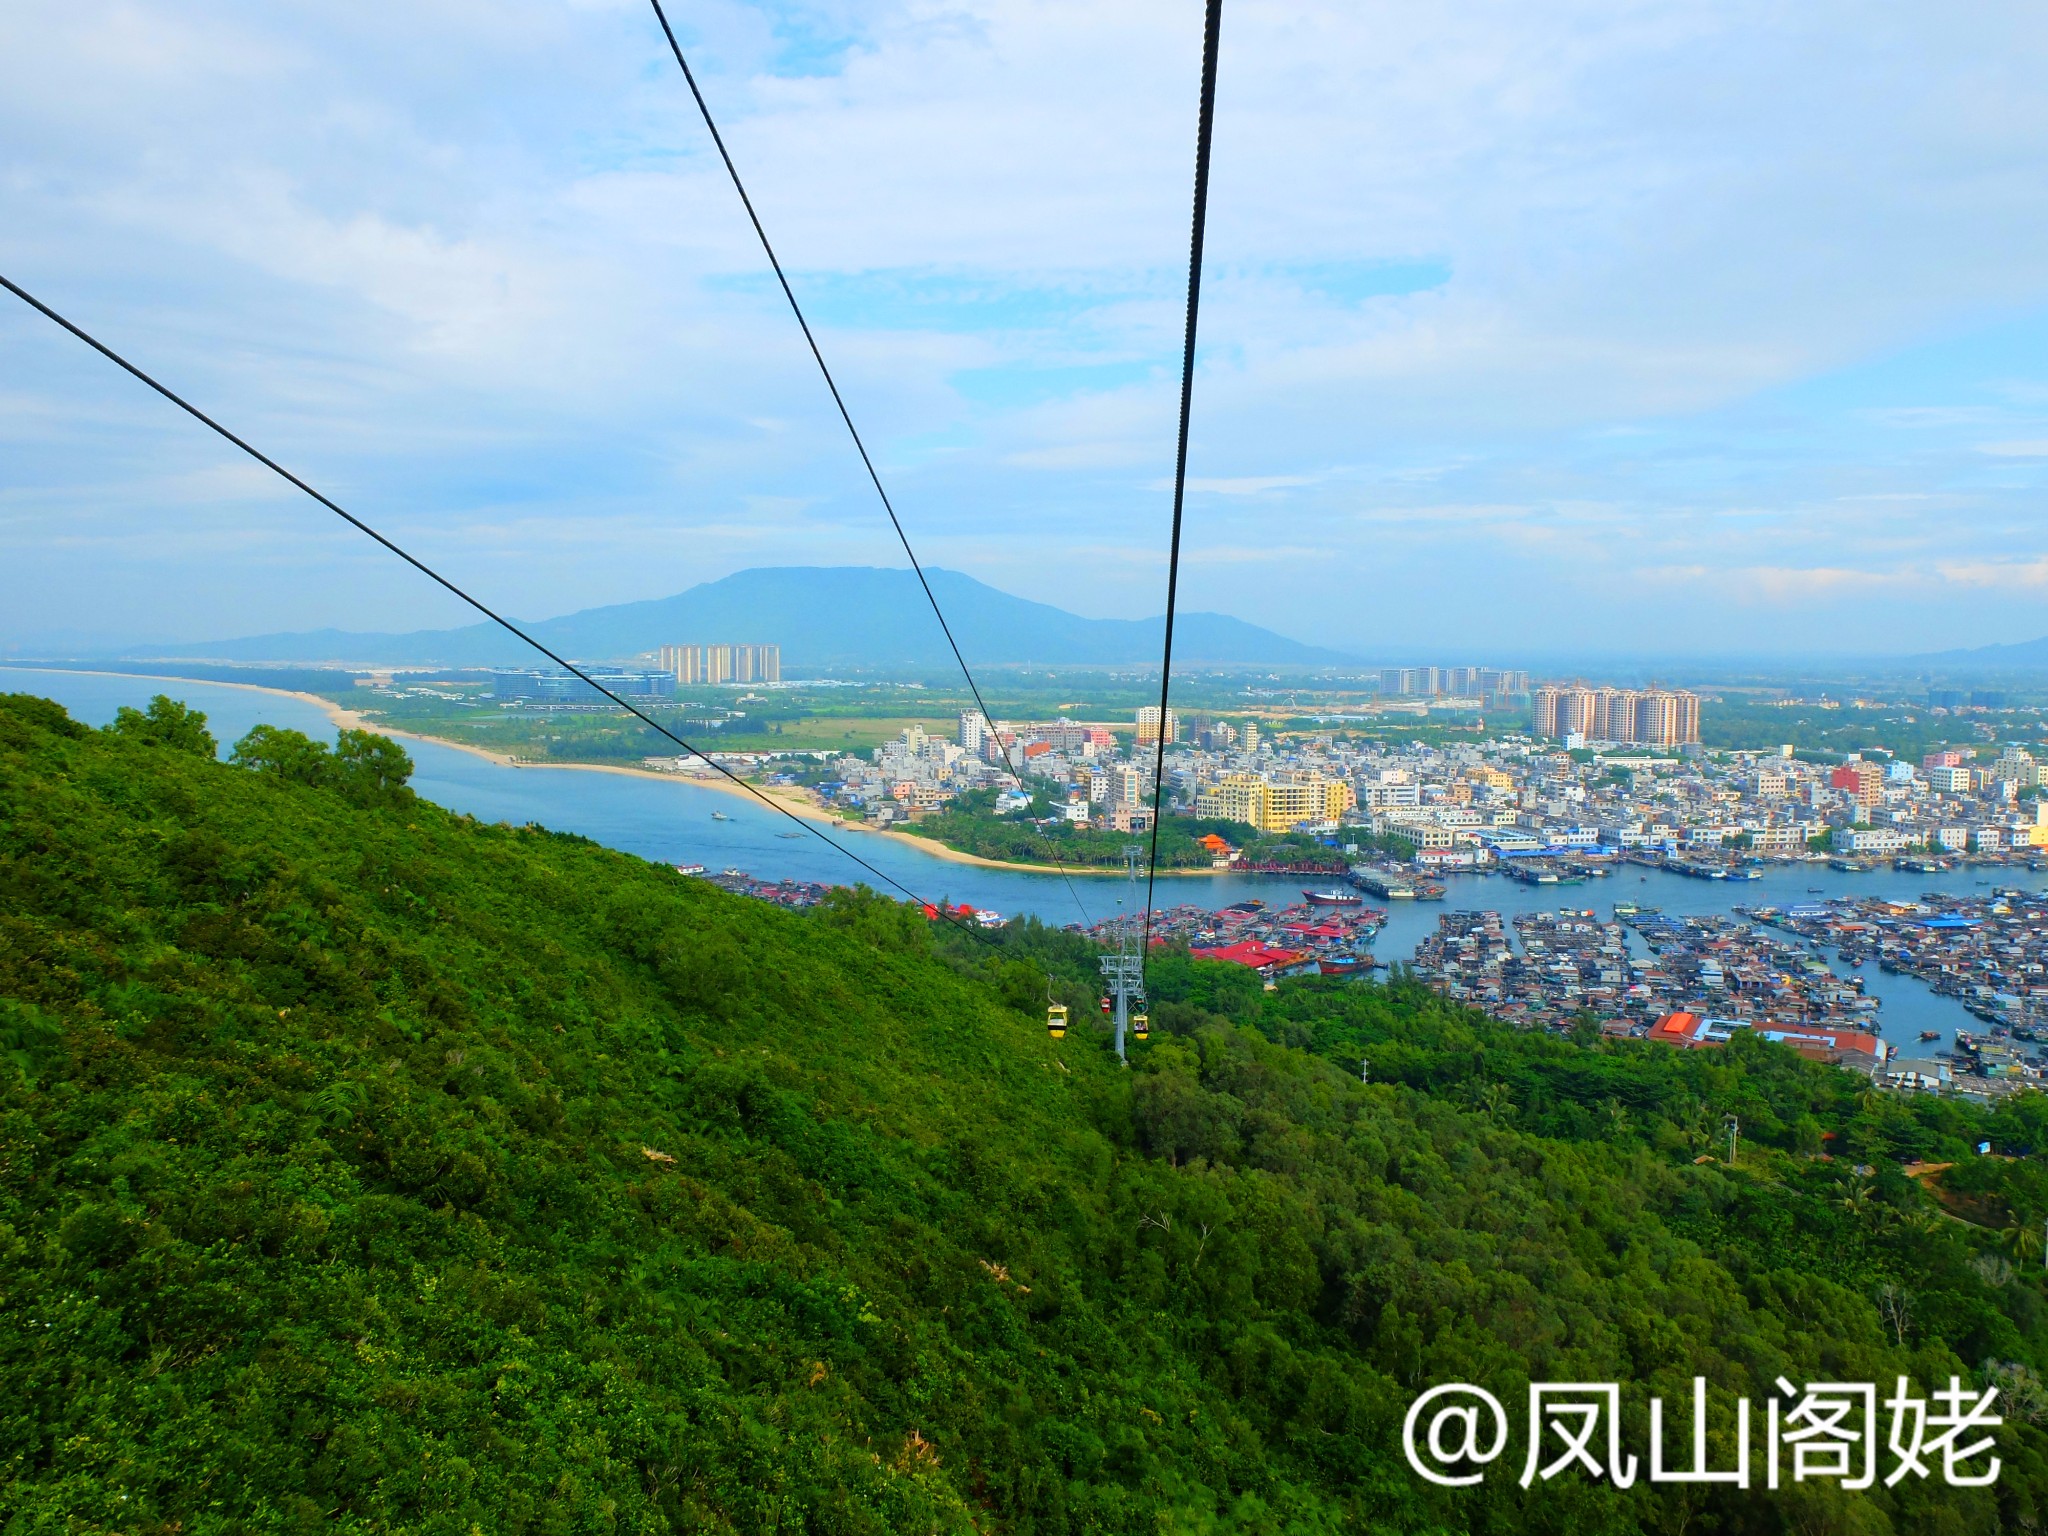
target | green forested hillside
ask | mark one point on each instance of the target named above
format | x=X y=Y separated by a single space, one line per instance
x=363 y=1167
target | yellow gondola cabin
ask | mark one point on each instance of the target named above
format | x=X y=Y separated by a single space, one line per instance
x=1056 y=1020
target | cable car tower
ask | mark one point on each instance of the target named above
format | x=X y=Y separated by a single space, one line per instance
x=1124 y=971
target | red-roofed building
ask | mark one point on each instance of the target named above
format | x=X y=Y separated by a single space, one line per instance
x=1305 y=930
x=1693 y=1029
x=1850 y=1048
x=1676 y=1029
x=1263 y=958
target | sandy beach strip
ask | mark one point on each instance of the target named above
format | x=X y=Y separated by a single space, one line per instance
x=781 y=797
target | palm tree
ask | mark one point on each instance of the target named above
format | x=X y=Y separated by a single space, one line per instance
x=1693 y=1119
x=1922 y=1219
x=2022 y=1239
x=1495 y=1099
x=1619 y=1122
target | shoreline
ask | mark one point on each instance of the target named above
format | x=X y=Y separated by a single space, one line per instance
x=778 y=797
x=781 y=798
x=343 y=718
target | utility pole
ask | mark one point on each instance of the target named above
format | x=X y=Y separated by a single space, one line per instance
x=1734 y=1135
x=1124 y=971
x=1364 y=1070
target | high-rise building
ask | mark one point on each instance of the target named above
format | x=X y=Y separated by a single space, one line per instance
x=1562 y=712
x=1653 y=717
x=1148 y=726
x=723 y=663
x=1458 y=682
x=1611 y=716
x=1665 y=718
x=974 y=730
x=1411 y=681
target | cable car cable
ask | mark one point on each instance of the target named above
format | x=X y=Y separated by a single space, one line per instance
x=1211 y=30
x=874 y=476
x=496 y=618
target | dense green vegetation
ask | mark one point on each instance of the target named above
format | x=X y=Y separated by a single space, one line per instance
x=1903 y=729
x=364 y=1167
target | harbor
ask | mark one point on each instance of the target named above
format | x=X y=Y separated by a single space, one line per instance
x=1984 y=952
x=1549 y=969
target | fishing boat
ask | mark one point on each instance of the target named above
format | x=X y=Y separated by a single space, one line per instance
x=792 y=834
x=1335 y=898
x=720 y=816
x=1930 y=1034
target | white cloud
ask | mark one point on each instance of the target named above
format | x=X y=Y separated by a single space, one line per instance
x=476 y=266
x=2024 y=575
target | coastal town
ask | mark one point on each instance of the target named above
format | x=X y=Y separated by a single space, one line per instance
x=1598 y=781
x=1603 y=774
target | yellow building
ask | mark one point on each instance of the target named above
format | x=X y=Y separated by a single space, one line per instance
x=1275 y=804
x=1148 y=726
x=1234 y=797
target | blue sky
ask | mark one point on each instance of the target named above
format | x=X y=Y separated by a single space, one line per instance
x=1686 y=327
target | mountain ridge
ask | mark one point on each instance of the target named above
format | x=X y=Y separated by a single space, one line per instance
x=821 y=617
x=2016 y=655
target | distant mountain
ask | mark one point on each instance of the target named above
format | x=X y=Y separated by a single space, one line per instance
x=821 y=616
x=2020 y=656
